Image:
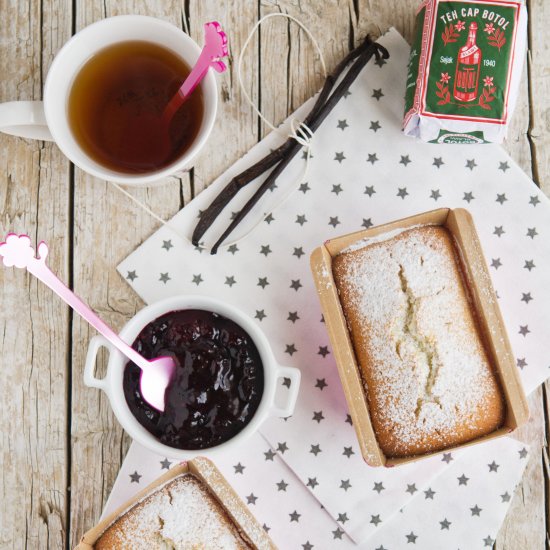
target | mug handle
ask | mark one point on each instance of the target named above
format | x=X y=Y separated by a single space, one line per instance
x=89 y=368
x=24 y=119
x=295 y=375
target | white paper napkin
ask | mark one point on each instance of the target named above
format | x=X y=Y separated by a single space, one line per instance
x=363 y=172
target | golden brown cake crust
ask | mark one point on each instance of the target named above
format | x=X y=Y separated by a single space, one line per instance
x=428 y=379
x=182 y=514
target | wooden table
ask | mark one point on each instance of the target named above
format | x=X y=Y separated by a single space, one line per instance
x=61 y=445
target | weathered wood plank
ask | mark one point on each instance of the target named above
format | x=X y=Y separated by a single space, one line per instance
x=34 y=323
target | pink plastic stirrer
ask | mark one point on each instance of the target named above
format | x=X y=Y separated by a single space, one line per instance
x=155 y=373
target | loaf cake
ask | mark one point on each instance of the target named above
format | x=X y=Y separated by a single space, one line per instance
x=428 y=378
x=181 y=515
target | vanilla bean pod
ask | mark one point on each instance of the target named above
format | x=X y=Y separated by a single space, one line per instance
x=286 y=152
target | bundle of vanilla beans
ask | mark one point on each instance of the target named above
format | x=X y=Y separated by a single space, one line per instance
x=279 y=158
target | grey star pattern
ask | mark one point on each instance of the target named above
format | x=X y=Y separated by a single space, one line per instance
x=489 y=541
x=199 y=248
x=532 y=232
x=164 y=278
x=260 y=315
x=429 y=494
x=342 y=518
x=367 y=222
x=346 y=94
x=501 y=198
x=435 y=194
x=375 y=125
x=269 y=218
x=499 y=231
x=251 y=498
x=167 y=245
x=348 y=451
x=269 y=454
x=323 y=351
x=521 y=363
x=378 y=487
x=411 y=488
x=291 y=349
x=266 y=528
x=463 y=480
x=321 y=384
x=282 y=447
x=345 y=484
x=337 y=533
x=349 y=420
x=375 y=519
x=233 y=249
x=377 y=94
x=411 y=538
x=526 y=297
x=318 y=416
x=493 y=467
x=438 y=162
x=135 y=477
x=339 y=157
x=292 y=316
x=312 y=482
x=304 y=188
x=496 y=263
x=197 y=279
x=529 y=264
x=336 y=189
x=405 y=160
x=262 y=281
x=524 y=330
x=265 y=250
x=334 y=221
x=534 y=200
x=476 y=510
x=505 y=497
x=369 y=190
x=239 y=468
x=230 y=281
x=468 y=197
x=447 y=457
x=402 y=192
x=315 y=450
x=165 y=464
x=296 y=284
x=503 y=166
x=286 y=382
x=342 y=124
x=282 y=485
x=372 y=158
x=445 y=524
x=301 y=219
x=307 y=546
x=298 y=252
x=381 y=548
x=131 y=276
x=523 y=453
x=295 y=516
x=471 y=164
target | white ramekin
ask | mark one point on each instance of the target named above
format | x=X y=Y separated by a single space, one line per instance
x=112 y=383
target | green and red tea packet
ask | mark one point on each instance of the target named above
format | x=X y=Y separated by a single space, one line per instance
x=464 y=70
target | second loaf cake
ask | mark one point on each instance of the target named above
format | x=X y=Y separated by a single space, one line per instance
x=427 y=376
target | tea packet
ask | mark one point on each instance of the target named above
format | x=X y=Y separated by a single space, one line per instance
x=464 y=70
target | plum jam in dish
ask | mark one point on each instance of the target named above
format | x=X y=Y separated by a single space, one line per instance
x=218 y=383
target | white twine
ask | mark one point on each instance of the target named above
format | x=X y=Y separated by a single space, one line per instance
x=299 y=131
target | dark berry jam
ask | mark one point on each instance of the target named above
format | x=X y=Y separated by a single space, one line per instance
x=218 y=383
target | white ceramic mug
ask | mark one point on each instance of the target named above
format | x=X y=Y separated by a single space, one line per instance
x=112 y=383
x=48 y=120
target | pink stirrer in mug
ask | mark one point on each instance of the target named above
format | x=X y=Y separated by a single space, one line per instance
x=155 y=373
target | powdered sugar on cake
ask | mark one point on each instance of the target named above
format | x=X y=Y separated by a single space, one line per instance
x=427 y=365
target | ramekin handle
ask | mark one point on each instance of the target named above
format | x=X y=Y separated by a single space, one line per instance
x=24 y=119
x=89 y=368
x=292 y=395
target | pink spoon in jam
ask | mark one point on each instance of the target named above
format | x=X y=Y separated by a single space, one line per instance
x=156 y=374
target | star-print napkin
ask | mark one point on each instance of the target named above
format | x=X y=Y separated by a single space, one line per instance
x=363 y=171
